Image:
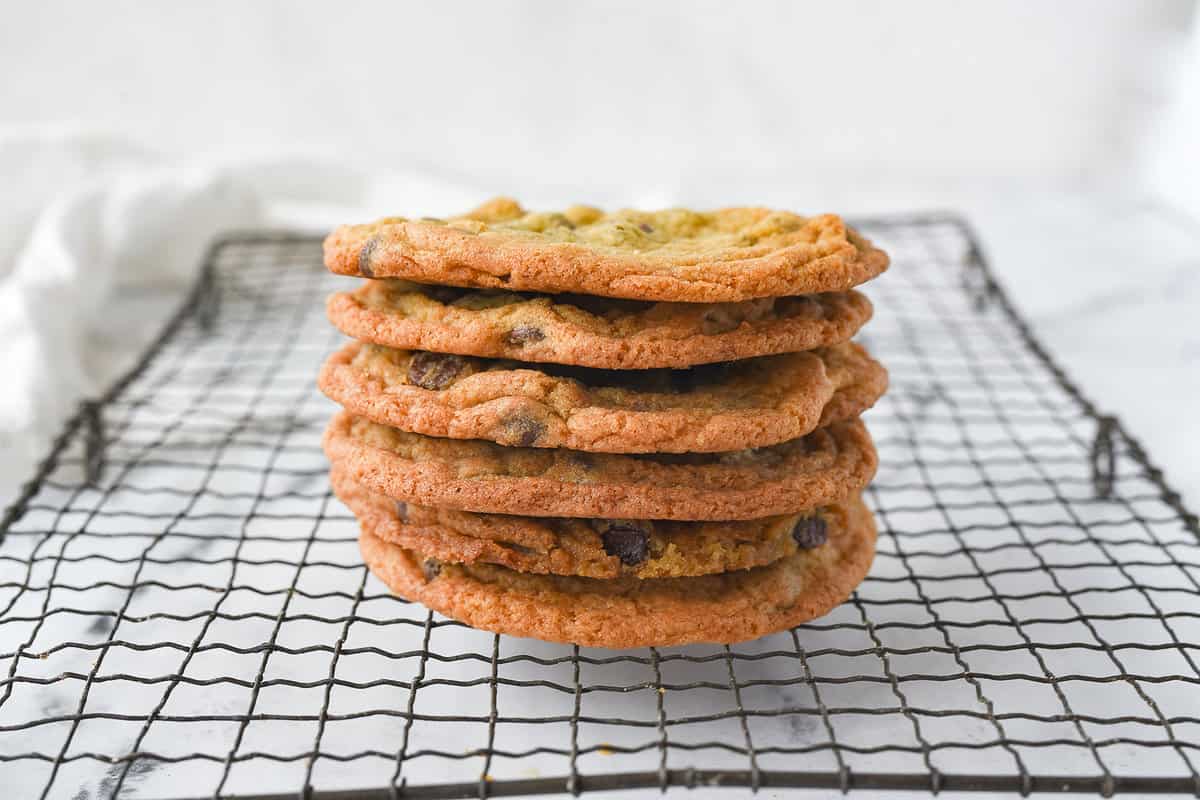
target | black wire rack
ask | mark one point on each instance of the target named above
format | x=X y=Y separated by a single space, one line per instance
x=183 y=609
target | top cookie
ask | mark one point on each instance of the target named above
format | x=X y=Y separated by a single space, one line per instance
x=728 y=255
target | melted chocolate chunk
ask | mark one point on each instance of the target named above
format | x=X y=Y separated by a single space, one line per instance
x=522 y=431
x=810 y=532
x=524 y=334
x=364 y=258
x=431 y=568
x=627 y=542
x=434 y=370
x=402 y=511
x=646 y=227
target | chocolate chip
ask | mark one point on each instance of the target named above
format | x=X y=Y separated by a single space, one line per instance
x=627 y=542
x=646 y=227
x=364 y=257
x=522 y=431
x=402 y=511
x=434 y=370
x=810 y=532
x=524 y=334
x=431 y=568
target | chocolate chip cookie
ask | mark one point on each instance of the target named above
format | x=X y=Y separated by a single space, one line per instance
x=676 y=255
x=730 y=406
x=591 y=331
x=592 y=548
x=822 y=468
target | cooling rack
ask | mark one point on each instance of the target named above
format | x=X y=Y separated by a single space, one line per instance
x=183 y=611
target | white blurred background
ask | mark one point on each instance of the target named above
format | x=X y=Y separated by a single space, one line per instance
x=617 y=99
x=131 y=132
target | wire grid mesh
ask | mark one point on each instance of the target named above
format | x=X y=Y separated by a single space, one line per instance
x=196 y=620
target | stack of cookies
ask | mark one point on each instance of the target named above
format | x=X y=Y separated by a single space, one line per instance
x=610 y=429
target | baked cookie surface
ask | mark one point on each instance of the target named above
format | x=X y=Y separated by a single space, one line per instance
x=719 y=407
x=678 y=255
x=591 y=548
x=631 y=612
x=822 y=468
x=589 y=331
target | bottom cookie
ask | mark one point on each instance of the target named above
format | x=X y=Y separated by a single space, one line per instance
x=632 y=612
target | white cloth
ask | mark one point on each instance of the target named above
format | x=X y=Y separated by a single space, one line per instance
x=88 y=216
